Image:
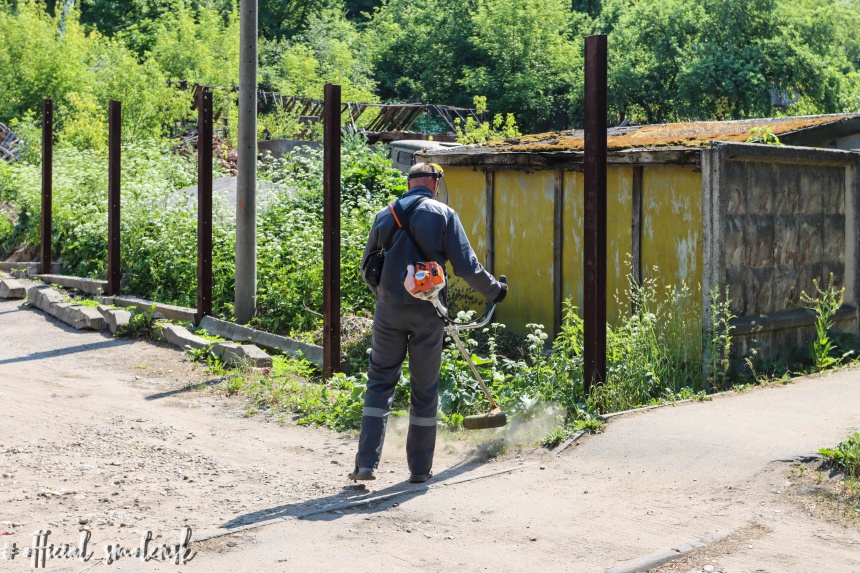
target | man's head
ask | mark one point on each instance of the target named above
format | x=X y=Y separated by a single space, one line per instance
x=427 y=175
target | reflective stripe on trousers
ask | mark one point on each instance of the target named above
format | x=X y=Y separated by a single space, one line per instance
x=397 y=330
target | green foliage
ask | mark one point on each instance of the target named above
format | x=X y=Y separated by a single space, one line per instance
x=764 y=135
x=846 y=456
x=482 y=131
x=652 y=355
x=719 y=339
x=81 y=72
x=726 y=59
x=203 y=354
x=526 y=60
x=159 y=227
x=140 y=324
x=289 y=243
x=338 y=403
x=824 y=305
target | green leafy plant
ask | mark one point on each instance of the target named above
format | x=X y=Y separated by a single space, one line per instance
x=481 y=131
x=139 y=325
x=845 y=456
x=719 y=338
x=763 y=134
x=200 y=354
x=824 y=305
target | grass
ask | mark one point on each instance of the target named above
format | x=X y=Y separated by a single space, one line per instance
x=845 y=456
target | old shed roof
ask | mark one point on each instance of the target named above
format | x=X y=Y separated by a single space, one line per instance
x=690 y=135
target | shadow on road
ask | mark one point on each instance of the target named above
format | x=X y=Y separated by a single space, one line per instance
x=66 y=351
x=315 y=509
x=184 y=389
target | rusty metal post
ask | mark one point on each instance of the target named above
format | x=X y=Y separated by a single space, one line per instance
x=47 y=184
x=331 y=231
x=114 y=181
x=594 y=313
x=204 y=203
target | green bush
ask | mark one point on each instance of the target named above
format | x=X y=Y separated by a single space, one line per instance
x=845 y=456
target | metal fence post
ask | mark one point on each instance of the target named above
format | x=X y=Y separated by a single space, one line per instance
x=114 y=183
x=331 y=231
x=204 y=203
x=594 y=313
x=47 y=184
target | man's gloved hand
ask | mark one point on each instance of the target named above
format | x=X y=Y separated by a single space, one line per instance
x=502 y=294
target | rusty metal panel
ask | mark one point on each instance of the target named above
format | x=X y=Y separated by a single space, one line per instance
x=672 y=225
x=619 y=205
x=523 y=245
x=467 y=197
x=572 y=217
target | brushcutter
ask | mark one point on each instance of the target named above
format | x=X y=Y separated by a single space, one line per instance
x=426 y=281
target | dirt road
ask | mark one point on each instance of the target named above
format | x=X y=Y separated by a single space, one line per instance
x=108 y=436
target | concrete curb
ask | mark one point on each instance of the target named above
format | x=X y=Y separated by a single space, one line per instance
x=115 y=317
x=170 y=312
x=663 y=557
x=77 y=316
x=239 y=333
x=611 y=415
x=229 y=352
x=179 y=336
x=236 y=354
x=573 y=439
x=89 y=286
x=31 y=269
x=12 y=289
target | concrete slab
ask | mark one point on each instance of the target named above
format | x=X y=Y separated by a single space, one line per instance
x=89 y=286
x=78 y=316
x=239 y=333
x=179 y=336
x=10 y=288
x=24 y=270
x=246 y=354
x=171 y=312
x=115 y=317
x=43 y=297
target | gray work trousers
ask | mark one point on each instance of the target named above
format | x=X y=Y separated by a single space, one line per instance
x=398 y=328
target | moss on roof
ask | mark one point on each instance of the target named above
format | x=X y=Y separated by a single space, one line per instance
x=671 y=135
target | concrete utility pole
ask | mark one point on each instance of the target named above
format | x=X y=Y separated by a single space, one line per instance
x=246 y=192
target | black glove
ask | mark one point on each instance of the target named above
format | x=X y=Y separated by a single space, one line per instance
x=502 y=293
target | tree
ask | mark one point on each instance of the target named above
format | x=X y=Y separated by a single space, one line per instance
x=525 y=60
x=418 y=50
x=647 y=52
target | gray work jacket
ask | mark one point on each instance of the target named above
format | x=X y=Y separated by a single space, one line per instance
x=438 y=230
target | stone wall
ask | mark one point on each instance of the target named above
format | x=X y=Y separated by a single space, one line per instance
x=776 y=219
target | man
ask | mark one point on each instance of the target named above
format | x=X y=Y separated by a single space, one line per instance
x=403 y=323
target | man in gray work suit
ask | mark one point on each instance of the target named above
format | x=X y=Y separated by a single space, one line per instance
x=404 y=323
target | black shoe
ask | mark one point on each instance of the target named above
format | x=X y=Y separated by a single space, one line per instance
x=361 y=475
x=420 y=478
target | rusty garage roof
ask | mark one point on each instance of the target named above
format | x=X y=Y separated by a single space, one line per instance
x=689 y=135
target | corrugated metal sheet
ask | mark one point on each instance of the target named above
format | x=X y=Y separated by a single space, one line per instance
x=523 y=245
